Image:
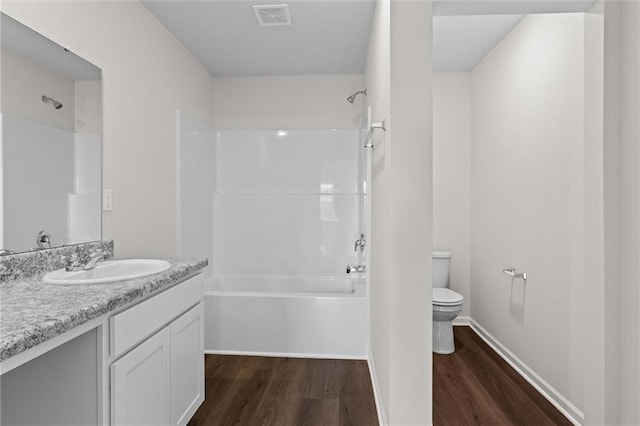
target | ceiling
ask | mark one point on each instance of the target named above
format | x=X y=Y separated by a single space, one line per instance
x=331 y=36
x=508 y=7
x=326 y=37
x=460 y=42
x=30 y=44
x=464 y=31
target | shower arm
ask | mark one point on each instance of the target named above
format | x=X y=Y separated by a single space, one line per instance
x=351 y=98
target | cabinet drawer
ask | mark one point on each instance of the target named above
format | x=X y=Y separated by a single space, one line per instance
x=134 y=324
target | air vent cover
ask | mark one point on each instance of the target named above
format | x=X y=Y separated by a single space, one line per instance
x=270 y=15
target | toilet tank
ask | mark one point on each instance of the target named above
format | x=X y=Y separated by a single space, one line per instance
x=441 y=261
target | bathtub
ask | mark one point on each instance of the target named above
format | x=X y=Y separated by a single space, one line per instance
x=324 y=317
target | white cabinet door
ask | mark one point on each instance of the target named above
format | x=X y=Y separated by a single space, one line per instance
x=187 y=365
x=140 y=393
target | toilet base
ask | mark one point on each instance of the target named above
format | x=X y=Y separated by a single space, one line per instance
x=443 y=337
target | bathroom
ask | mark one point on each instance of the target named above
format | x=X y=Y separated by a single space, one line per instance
x=148 y=75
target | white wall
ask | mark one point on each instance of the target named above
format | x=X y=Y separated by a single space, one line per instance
x=398 y=77
x=630 y=207
x=147 y=75
x=287 y=102
x=377 y=81
x=536 y=205
x=593 y=285
x=612 y=212
x=23 y=84
x=452 y=176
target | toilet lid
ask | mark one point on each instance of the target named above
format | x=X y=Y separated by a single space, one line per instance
x=446 y=297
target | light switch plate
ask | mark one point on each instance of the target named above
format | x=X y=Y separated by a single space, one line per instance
x=107 y=200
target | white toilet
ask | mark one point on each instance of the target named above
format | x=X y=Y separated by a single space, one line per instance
x=447 y=304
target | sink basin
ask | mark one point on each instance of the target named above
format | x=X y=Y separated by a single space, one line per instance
x=109 y=271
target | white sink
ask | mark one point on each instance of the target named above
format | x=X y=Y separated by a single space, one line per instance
x=109 y=271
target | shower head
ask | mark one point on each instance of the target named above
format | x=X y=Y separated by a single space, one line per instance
x=352 y=98
x=56 y=104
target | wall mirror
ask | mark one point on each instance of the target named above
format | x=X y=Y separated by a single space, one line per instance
x=50 y=145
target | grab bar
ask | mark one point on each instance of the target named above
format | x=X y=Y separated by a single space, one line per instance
x=513 y=274
x=375 y=125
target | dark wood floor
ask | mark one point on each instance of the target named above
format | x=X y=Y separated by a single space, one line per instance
x=249 y=391
x=474 y=386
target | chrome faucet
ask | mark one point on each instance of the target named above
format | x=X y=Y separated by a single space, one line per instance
x=361 y=242
x=94 y=258
x=356 y=269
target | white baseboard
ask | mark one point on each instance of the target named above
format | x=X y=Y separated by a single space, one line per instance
x=569 y=410
x=461 y=321
x=382 y=418
x=286 y=355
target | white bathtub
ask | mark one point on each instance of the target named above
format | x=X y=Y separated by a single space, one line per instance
x=287 y=316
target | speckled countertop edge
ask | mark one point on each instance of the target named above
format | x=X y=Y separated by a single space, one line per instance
x=32 y=312
x=18 y=266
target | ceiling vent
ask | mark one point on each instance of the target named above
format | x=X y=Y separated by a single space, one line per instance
x=271 y=15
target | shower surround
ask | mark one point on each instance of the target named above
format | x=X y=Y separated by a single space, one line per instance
x=282 y=211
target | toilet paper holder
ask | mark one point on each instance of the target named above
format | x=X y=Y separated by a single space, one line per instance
x=513 y=274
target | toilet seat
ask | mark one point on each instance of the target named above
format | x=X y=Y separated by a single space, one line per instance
x=446 y=297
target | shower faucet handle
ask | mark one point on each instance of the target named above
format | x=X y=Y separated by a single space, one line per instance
x=356 y=269
x=361 y=242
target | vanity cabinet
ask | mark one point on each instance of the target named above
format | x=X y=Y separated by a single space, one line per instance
x=137 y=358
x=140 y=383
x=187 y=365
x=158 y=375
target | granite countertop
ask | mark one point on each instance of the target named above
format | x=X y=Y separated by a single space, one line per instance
x=32 y=312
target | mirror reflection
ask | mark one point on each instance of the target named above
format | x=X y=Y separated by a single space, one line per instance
x=51 y=144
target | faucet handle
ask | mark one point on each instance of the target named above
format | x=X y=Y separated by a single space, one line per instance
x=72 y=262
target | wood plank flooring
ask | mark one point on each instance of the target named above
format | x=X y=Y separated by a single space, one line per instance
x=242 y=390
x=474 y=386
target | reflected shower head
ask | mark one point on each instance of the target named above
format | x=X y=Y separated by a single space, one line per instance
x=352 y=98
x=56 y=104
